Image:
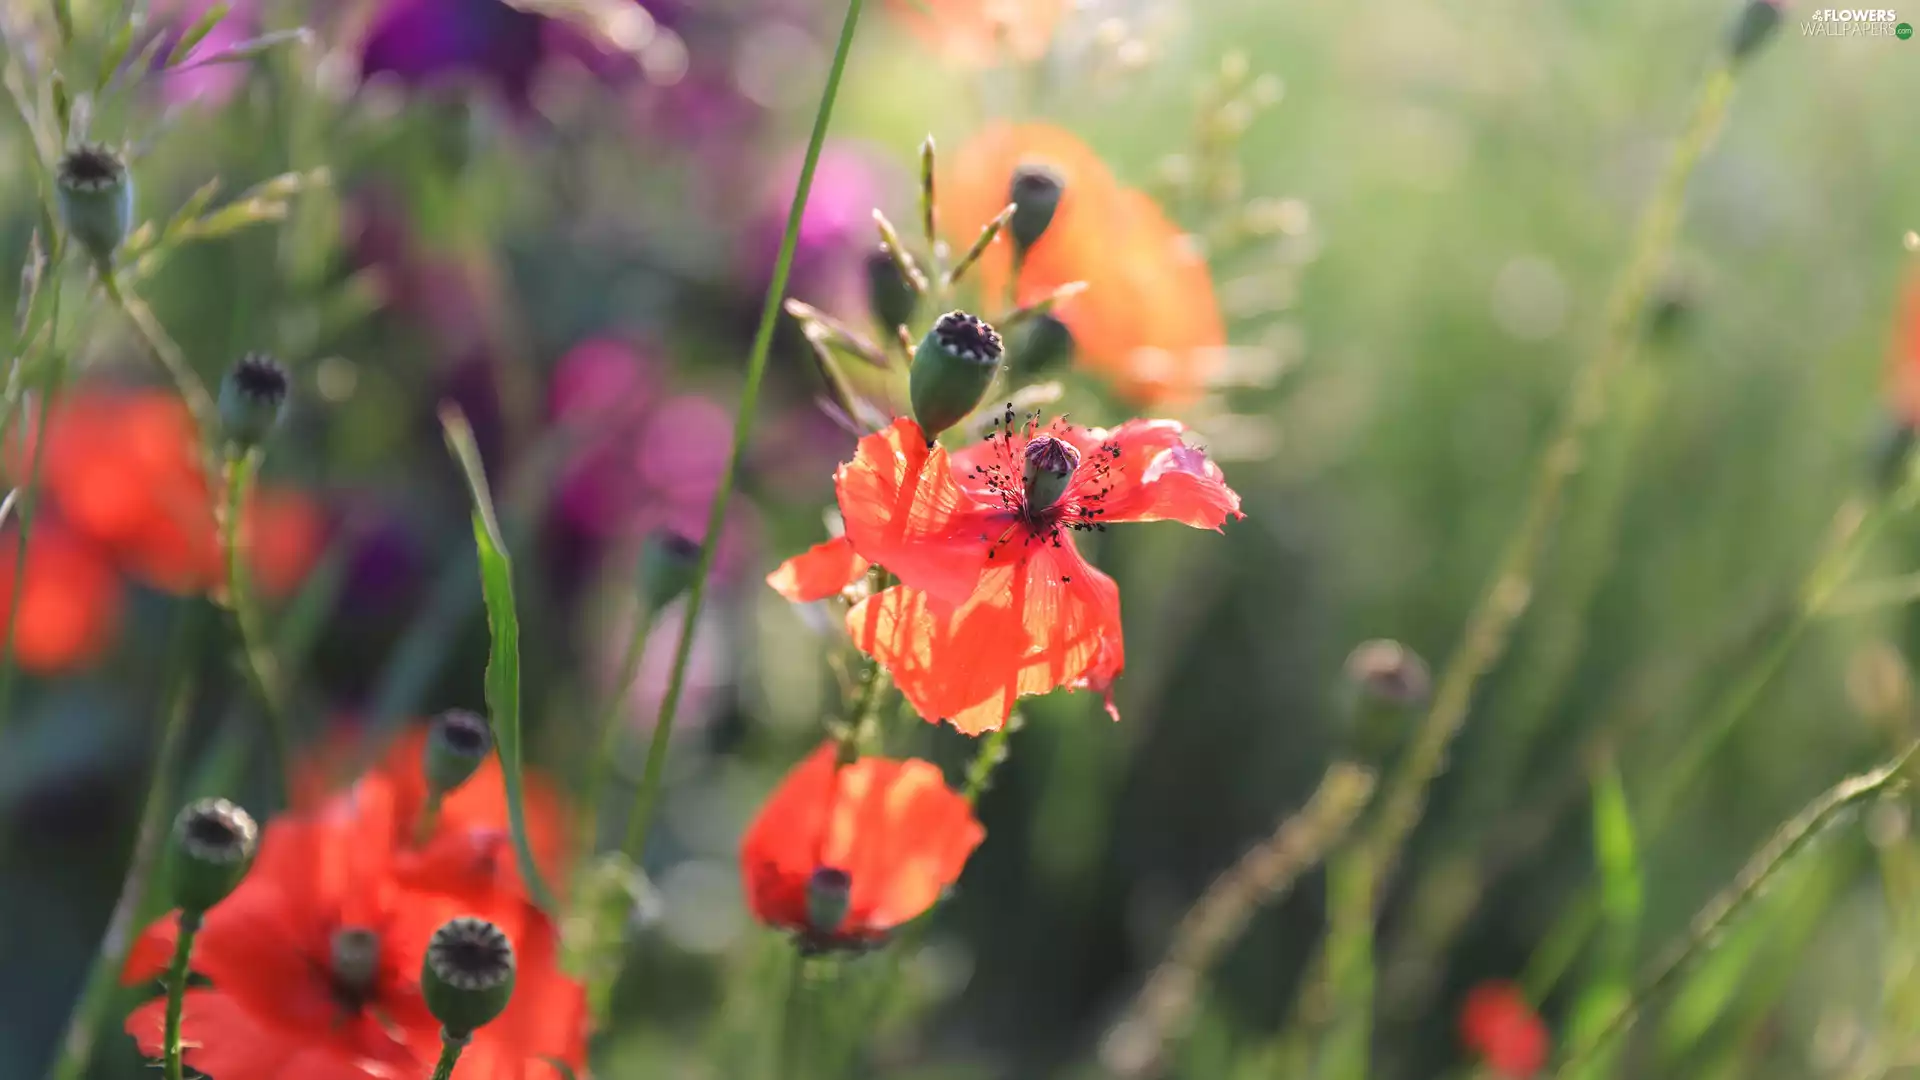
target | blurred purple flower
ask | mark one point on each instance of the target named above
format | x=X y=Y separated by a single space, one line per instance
x=429 y=42
x=445 y=294
x=385 y=561
x=194 y=80
x=850 y=182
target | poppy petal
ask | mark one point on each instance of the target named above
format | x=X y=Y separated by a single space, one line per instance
x=904 y=511
x=823 y=570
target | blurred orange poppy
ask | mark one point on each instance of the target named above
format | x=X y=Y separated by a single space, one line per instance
x=889 y=836
x=70 y=600
x=976 y=33
x=1149 y=321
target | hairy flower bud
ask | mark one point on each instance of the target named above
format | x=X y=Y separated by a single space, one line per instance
x=889 y=295
x=458 y=743
x=253 y=397
x=1040 y=345
x=668 y=564
x=1752 y=28
x=1050 y=466
x=1035 y=193
x=952 y=369
x=95 y=193
x=213 y=845
x=1389 y=672
x=467 y=976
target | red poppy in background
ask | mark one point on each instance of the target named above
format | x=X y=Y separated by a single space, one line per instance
x=891 y=832
x=70 y=599
x=314 y=964
x=995 y=602
x=976 y=33
x=1498 y=1024
x=1149 y=321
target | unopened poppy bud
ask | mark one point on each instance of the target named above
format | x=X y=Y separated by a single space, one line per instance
x=95 y=193
x=1389 y=672
x=668 y=564
x=1035 y=193
x=253 y=397
x=1042 y=344
x=213 y=845
x=1755 y=25
x=829 y=896
x=458 y=743
x=951 y=371
x=1050 y=466
x=1892 y=453
x=891 y=297
x=467 y=977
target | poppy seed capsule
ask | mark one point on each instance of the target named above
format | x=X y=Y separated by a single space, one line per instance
x=829 y=897
x=213 y=845
x=1756 y=23
x=95 y=193
x=1042 y=344
x=890 y=297
x=1389 y=672
x=951 y=371
x=668 y=564
x=467 y=976
x=457 y=745
x=1050 y=466
x=1035 y=193
x=253 y=397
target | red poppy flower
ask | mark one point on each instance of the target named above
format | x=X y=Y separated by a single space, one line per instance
x=975 y=33
x=995 y=602
x=890 y=835
x=314 y=964
x=1497 y=1024
x=1149 y=321
x=70 y=599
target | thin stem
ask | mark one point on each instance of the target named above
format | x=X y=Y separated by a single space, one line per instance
x=76 y=1046
x=790 y=1048
x=993 y=751
x=261 y=668
x=608 y=724
x=177 y=994
x=1753 y=879
x=200 y=404
x=450 y=1047
x=1489 y=627
x=30 y=498
x=648 y=795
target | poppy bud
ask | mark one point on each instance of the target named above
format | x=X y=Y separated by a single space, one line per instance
x=829 y=896
x=1050 y=466
x=668 y=564
x=213 y=844
x=467 y=976
x=1755 y=25
x=1389 y=672
x=253 y=397
x=1035 y=194
x=890 y=296
x=951 y=371
x=95 y=194
x=457 y=745
x=1892 y=450
x=1043 y=343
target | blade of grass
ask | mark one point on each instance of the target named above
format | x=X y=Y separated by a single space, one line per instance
x=503 y=662
x=1621 y=893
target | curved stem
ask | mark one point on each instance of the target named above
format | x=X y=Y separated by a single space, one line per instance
x=649 y=793
x=200 y=405
x=450 y=1047
x=177 y=994
x=76 y=1046
x=261 y=669
x=30 y=496
x=608 y=724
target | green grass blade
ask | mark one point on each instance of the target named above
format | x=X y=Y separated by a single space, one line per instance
x=503 y=662
x=1622 y=890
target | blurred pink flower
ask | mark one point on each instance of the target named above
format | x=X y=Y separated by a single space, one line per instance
x=850 y=182
x=193 y=79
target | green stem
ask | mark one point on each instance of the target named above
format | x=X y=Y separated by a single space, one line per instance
x=261 y=668
x=177 y=993
x=76 y=1046
x=1753 y=879
x=1489 y=627
x=200 y=404
x=608 y=724
x=30 y=497
x=648 y=796
x=450 y=1047
x=790 y=1048
x=993 y=751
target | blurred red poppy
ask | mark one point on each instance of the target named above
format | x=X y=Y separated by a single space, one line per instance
x=70 y=599
x=1497 y=1024
x=891 y=832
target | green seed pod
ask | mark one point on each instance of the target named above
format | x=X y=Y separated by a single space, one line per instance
x=458 y=743
x=95 y=193
x=253 y=398
x=467 y=976
x=889 y=295
x=952 y=369
x=668 y=564
x=213 y=845
x=1035 y=193
x=1050 y=466
x=829 y=896
x=1754 y=27
x=1040 y=345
